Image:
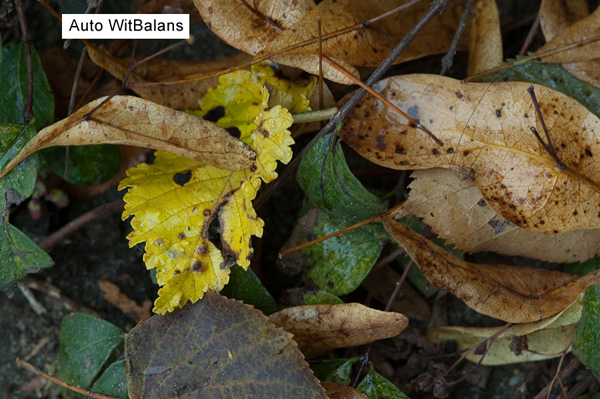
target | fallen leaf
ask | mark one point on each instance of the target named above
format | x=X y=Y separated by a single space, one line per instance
x=250 y=26
x=484 y=129
x=320 y=328
x=134 y=121
x=588 y=27
x=340 y=391
x=183 y=96
x=544 y=339
x=509 y=293
x=175 y=200
x=374 y=385
x=456 y=212
x=366 y=45
x=113 y=295
x=557 y=15
x=485 y=49
x=216 y=348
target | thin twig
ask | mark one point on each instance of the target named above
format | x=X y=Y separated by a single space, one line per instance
x=549 y=147
x=333 y=123
x=570 y=369
x=449 y=57
x=56 y=294
x=30 y=367
x=530 y=35
x=74 y=225
x=28 y=110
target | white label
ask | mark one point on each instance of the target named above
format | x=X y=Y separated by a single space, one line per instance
x=126 y=26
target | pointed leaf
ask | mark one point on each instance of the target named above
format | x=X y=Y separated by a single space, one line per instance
x=376 y=386
x=113 y=381
x=134 y=121
x=216 y=348
x=509 y=293
x=245 y=286
x=319 y=328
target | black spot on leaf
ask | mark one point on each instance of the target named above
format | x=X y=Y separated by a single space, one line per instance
x=183 y=177
x=234 y=131
x=215 y=114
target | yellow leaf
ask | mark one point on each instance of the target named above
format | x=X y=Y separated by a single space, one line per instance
x=175 y=200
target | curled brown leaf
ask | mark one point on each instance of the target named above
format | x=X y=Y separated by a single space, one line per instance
x=509 y=293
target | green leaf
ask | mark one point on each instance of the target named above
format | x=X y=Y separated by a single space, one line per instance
x=19 y=183
x=321 y=298
x=88 y=165
x=553 y=76
x=324 y=176
x=375 y=386
x=216 y=348
x=583 y=268
x=20 y=255
x=587 y=336
x=13 y=80
x=246 y=286
x=340 y=263
x=334 y=370
x=113 y=382
x=86 y=345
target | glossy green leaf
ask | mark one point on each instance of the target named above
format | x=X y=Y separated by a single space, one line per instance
x=19 y=183
x=553 y=76
x=13 y=80
x=88 y=165
x=86 y=345
x=216 y=348
x=587 y=336
x=375 y=386
x=334 y=370
x=20 y=256
x=246 y=286
x=113 y=382
x=340 y=263
x=321 y=298
x=324 y=176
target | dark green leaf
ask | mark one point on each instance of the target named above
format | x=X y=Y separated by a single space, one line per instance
x=334 y=370
x=113 y=382
x=553 y=76
x=13 y=80
x=88 y=165
x=324 y=176
x=375 y=386
x=587 y=337
x=20 y=255
x=582 y=268
x=321 y=298
x=245 y=286
x=341 y=263
x=216 y=348
x=19 y=183
x=86 y=344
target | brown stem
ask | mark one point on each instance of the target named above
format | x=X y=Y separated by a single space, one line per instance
x=437 y=7
x=548 y=147
x=74 y=225
x=530 y=35
x=29 y=367
x=567 y=371
x=448 y=58
x=28 y=111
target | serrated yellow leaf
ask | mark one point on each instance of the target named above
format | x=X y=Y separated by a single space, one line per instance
x=175 y=200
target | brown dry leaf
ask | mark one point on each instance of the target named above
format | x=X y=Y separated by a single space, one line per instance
x=586 y=28
x=485 y=49
x=548 y=338
x=134 y=121
x=251 y=25
x=170 y=7
x=381 y=284
x=485 y=129
x=558 y=15
x=455 y=210
x=340 y=391
x=319 y=328
x=184 y=96
x=363 y=46
x=113 y=295
x=509 y=293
